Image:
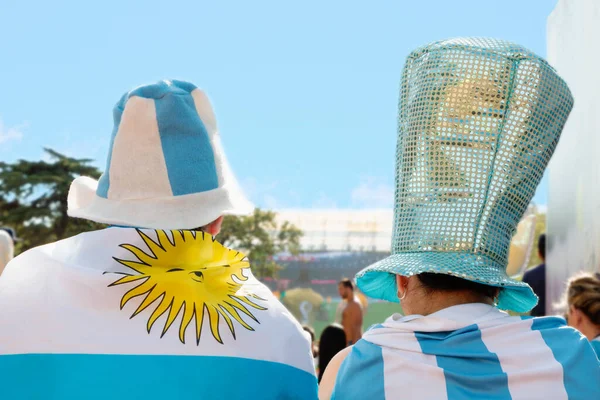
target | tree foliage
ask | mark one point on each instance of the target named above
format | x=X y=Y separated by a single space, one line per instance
x=261 y=238
x=33 y=198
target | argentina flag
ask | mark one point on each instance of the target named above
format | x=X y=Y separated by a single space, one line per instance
x=471 y=351
x=124 y=313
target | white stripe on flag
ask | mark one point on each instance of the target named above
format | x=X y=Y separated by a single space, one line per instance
x=412 y=373
x=514 y=343
x=56 y=299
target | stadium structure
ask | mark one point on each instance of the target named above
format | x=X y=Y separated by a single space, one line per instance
x=338 y=243
x=335 y=243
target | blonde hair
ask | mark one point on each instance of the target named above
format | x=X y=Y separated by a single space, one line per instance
x=583 y=293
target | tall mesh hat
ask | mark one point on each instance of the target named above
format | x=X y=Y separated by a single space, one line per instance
x=479 y=120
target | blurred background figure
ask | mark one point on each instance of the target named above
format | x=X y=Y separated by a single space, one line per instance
x=583 y=302
x=536 y=278
x=8 y=238
x=303 y=301
x=332 y=341
x=352 y=314
x=311 y=332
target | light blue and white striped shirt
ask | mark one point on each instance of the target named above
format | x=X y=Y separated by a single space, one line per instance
x=472 y=351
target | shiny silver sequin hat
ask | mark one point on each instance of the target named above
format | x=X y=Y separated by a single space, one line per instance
x=478 y=122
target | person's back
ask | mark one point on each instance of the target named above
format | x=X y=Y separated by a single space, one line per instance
x=471 y=351
x=352 y=312
x=88 y=314
x=163 y=312
x=473 y=143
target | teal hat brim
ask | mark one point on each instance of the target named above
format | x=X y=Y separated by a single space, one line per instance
x=378 y=280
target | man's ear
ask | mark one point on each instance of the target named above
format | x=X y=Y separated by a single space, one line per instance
x=401 y=284
x=214 y=227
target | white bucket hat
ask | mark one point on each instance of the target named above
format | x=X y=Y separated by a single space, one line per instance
x=166 y=168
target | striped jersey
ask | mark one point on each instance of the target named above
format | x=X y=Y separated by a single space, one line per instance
x=471 y=351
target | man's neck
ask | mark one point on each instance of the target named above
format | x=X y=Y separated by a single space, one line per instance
x=591 y=331
x=440 y=301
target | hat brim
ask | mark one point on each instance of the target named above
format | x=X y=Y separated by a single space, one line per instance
x=378 y=280
x=177 y=212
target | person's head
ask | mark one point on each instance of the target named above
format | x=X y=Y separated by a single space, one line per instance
x=311 y=332
x=11 y=232
x=346 y=289
x=542 y=247
x=583 y=301
x=426 y=293
x=166 y=168
x=332 y=341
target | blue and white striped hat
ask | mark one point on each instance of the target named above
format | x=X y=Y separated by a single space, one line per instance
x=166 y=168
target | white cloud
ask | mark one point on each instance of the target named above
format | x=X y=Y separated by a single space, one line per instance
x=8 y=133
x=373 y=192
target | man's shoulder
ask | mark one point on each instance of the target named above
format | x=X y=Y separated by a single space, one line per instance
x=353 y=306
x=536 y=272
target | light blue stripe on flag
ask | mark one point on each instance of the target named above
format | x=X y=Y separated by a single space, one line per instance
x=376 y=326
x=186 y=147
x=361 y=374
x=580 y=366
x=470 y=369
x=127 y=377
x=596 y=346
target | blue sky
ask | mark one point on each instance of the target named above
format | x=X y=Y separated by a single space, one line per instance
x=305 y=93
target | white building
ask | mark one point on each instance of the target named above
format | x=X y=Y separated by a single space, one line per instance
x=574 y=187
x=342 y=230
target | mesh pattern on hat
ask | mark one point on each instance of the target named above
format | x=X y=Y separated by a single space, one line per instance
x=478 y=122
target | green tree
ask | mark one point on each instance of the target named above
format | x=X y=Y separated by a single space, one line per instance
x=260 y=237
x=33 y=198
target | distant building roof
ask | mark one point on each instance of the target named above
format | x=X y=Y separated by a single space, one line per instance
x=342 y=229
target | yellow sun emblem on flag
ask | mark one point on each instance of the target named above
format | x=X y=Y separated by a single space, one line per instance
x=189 y=273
